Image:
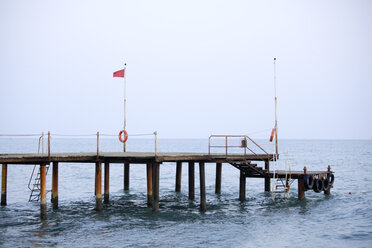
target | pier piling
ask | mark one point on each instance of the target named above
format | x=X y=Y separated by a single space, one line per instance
x=328 y=191
x=218 y=178
x=54 y=199
x=4 y=176
x=126 y=176
x=178 y=176
x=43 y=191
x=242 y=185
x=267 y=178
x=106 y=192
x=98 y=186
x=155 y=186
x=149 y=184
x=203 y=201
x=191 y=180
x=301 y=188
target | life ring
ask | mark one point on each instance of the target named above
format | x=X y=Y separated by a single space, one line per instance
x=318 y=185
x=121 y=136
x=331 y=178
x=272 y=135
x=308 y=181
x=326 y=184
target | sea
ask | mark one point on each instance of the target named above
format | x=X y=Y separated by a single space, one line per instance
x=341 y=219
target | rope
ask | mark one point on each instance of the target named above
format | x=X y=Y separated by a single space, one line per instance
x=19 y=135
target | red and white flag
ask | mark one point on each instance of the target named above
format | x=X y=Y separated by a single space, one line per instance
x=119 y=73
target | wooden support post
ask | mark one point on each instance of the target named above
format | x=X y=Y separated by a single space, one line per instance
x=149 y=184
x=301 y=188
x=191 y=180
x=155 y=187
x=178 y=176
x=106 y=192
x=267 y=178
x=43 y=191
x=328 y=191
x=98 y=186
x=4 y=176
x=55 y=185
x=126 y=176
x=203 y=201
x=242 y=186
x=218 y=178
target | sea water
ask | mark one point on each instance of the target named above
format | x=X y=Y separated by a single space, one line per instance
x=342 y=219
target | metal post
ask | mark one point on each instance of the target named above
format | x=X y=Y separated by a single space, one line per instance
x=156 y=143
x=226 y=146
x=49 y=146
x=191 y=180
x=149 y=184
x=328 y=192
x=155 y=186
x=42 y=143
x=106 y=192
x=203 y=201
x=126 y=176
x=98 y=186
x=276 y=116
x=267 y=177
x=97 y=146
x=125 y=101
x=218 y=178
x=301 y=188
x=55 y=185
x=4 y=177
x=242 y=185
x=43 y=191
x=178 y=176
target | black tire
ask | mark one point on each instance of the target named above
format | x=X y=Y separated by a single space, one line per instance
x=318 y=185
x=308 y=181
x=326 y=184
x=331 y=179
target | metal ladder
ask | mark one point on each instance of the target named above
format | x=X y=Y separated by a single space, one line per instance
x=35 y=190
x=280 y=185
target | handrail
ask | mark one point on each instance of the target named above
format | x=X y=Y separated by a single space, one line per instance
x=226 y=146
x=41 y=139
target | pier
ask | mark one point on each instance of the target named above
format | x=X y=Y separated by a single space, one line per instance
x=247 y=162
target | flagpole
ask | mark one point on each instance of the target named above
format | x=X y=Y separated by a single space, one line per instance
x=125 y=103
x=276 y=115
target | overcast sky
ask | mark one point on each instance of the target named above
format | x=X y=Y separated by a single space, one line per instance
x=194 y=68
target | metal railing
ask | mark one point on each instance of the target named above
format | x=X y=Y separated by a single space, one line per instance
x=244 y=144
x=41 y=140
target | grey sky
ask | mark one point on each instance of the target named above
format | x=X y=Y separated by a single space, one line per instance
x=194 y=67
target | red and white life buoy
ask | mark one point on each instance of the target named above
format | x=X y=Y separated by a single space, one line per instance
x=123 y=140
x=272 y=134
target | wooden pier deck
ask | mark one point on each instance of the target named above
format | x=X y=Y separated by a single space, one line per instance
x=247 y=164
